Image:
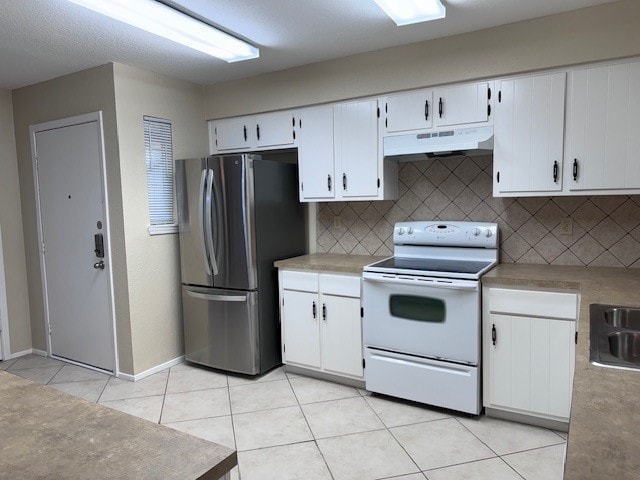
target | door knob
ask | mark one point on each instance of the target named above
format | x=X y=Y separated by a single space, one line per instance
x=99 y=265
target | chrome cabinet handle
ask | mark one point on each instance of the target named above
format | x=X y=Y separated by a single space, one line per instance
x=99 y=265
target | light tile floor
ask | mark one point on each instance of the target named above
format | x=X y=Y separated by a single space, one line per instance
x=288 y=426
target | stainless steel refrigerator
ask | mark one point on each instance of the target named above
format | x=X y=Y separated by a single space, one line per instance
x=237 y=214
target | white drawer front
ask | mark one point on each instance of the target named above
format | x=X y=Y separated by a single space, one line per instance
x=533 y=303
x=301 y=281
x=343 y=285
x=442 y=384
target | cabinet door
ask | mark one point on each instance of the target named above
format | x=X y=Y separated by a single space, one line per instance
x=604 y=121
x=301 y=328
x=531 y=364
x=409 y=111
x=356 y=148
x=275 y=129
x=315 y=154
x=529 y=134
x=460 y=105
x=233 y=134
x=341 y=335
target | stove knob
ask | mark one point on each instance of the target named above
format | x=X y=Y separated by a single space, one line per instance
x=476 y=232
x=410 y=231
x=401 y=231
x=488 y=233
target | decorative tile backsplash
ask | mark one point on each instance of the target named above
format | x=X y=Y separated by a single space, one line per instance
x=606 y=229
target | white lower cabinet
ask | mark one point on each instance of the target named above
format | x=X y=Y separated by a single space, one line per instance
x=321 y=322
x=529 y=351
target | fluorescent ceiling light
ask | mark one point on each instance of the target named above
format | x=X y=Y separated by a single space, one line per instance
x=406 y=12
x=162 y=20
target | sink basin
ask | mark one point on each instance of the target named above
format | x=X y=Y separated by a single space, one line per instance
x=623 y=317
x=625 y=346
x=615 y=336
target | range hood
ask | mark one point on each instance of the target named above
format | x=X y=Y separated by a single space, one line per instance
x=463 y=141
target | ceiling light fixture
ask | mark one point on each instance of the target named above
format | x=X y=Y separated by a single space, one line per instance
x=406 y=12
x=162 y=20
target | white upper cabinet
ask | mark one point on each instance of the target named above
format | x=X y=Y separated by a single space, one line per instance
x=604 y=128
x=340 y=155
x=357 y=155
x=232 y=135
x=316 y=154
x=529 y=134
x=257 y=132
x=408 y=111
x=275 y=129
x=462 y=104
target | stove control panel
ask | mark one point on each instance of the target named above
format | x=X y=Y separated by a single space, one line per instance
x=446 y=234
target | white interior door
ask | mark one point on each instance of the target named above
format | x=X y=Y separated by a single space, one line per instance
x=72 y=211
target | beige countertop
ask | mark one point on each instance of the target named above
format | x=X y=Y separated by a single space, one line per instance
x=46 y=434
x=605 y=410
x=328 y=262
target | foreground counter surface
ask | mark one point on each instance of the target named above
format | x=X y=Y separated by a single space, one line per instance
x=605 y=417
x=49 y=434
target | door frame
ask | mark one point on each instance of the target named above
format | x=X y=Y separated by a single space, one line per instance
x=5 y=344
x=53 y=125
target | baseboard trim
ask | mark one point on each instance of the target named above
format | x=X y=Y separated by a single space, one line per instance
x=352 y=382
x=151 y=371
x=42 y=353
x=20 y=354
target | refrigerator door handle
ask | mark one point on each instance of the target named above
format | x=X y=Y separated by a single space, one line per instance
x=203 y=245
x=209 y=225
x=219 y=298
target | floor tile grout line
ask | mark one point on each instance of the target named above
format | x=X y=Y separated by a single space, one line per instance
x=512 y=468
x=532 y=449
x=404 y=449
x=103 y=389
x=460 y=463
x=476 y=436
x=164 y=395
x=233 y=429
x=386 y=427
x=315 y=442
x=505 y=454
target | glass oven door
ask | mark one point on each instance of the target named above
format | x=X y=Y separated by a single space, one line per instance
x=434 y=318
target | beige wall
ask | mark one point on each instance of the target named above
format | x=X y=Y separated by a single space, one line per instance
x=12 y=236
x=586 y=35
x=83 y=92
x=153 y=266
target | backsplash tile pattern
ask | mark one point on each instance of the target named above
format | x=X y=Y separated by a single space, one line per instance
x=606 y=229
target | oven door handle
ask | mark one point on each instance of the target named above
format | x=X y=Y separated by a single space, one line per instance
x=468 y=285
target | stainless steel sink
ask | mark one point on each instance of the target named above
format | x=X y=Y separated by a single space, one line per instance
x=623 y=317
x=615 y=336
x=625 y=346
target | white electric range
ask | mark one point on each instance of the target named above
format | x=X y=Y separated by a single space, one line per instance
x=422 y=315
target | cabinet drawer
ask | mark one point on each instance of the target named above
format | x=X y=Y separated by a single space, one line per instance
x=343 y=285
x=301 y=281
x=533 y=303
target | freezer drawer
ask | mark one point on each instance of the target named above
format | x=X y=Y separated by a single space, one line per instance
x=221 y=328
x=442 y=384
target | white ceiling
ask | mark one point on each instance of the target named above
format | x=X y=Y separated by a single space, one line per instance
x=43 y=39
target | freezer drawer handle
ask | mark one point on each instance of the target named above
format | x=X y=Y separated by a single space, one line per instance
x=494 y=334
x=219 y=298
